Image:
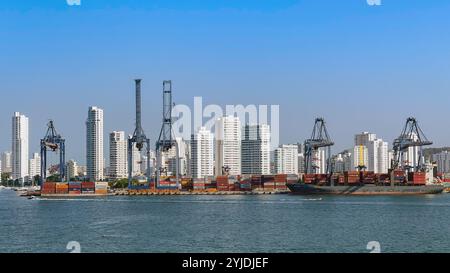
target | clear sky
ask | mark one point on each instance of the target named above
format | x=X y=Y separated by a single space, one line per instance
x=363 y=68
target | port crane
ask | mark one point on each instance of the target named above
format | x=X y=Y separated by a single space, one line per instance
x=54 y=142
x=139 y=139
x=166 y=140
x=411 y=136
x=319 y=139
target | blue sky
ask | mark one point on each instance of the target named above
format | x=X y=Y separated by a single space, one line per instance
x=361 y=67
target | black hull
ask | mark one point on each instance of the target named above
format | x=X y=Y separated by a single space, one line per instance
x=307 y=189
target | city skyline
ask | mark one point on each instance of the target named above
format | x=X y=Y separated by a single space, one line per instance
x=368 y=81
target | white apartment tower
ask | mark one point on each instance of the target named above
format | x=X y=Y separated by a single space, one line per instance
x=360 y=158
x=72 y=169
x=20 y=152
x=118 y=157
x=286 y=159
x=412 y=155
x=202 y=154
x=256 y=149
x=171 y=162
x=378 y=152
x=228 y=146
x=94 y=144
x=35 y=166
x=442 y=160
x=6 y=162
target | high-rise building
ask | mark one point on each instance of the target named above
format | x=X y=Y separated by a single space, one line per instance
x=411 y=157
x=6 y=162
x=72 y=169
x=170 y=156
x=118 y=156
x=202 y=154
x=256 y=149
x=35 y=166
x=94 y=144
x=143 y=164
x=301 y=163
x=378 y=153
x=228 y=146
x=442 y=160
x=136 y=161
x=360 y=158
x=20 y=153
x=286 y=159
x=343 y=162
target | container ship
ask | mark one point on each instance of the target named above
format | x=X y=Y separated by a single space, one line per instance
x=74 y=189
x=365 y=183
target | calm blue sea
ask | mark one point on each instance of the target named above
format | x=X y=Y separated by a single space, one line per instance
x=270 y=223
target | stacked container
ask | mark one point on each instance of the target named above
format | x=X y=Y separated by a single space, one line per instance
x=280 y=182
x=88 y=187
x=245 y=185
x=352 y=177
x=417 y=178
x=199 y=184
x=384 y=178
x=62 y=188
x=368 y=177
x=74 y=188
x=337 y=179
x=256 y=182
x=292 y=179
x=222 y=183
x=101 y=188
x=210 y=184
x=399 y=176
x=309 y=178
x=48 y=188
x=321 y=179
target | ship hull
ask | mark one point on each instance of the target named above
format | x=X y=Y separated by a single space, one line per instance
x=306 y=189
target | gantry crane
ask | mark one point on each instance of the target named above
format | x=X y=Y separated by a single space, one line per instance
x=411 y=136
x=319 y=139
x=54 y=142
x=166 y=140
x=139 y=139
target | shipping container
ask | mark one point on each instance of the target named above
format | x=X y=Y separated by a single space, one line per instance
x=417 y=178
x=101 y=191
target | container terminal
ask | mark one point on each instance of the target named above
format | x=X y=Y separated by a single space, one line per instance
x=401 y=179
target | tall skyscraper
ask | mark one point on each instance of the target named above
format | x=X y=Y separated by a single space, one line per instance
x=256 y=149
x=6 y=162
x=286 y=159
x=35 y=166
x=378 y=152
x=94 y=144
x=202 y=157
x=228 y=146
x=118 y=156
x=20 y=152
